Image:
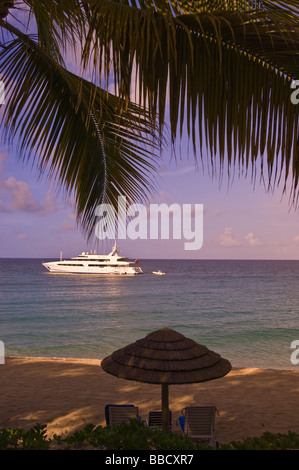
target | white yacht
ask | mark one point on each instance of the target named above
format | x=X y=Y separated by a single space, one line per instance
x=91 y=263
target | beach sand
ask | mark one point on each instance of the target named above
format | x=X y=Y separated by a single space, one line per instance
x=66 y=394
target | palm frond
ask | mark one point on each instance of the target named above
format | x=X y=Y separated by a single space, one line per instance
x=5 y=6
x=79 y=134
x=223 y=68
x=60 y=25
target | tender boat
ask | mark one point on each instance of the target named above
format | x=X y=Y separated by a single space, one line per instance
x=91 y=263
x=159 y=273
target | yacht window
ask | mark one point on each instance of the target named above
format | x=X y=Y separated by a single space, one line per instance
x=98 y=260
x=69 y=264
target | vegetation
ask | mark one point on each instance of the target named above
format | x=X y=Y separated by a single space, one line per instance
x=218 y=71
x=268 y=441
x=132 y=436
x=126 y=436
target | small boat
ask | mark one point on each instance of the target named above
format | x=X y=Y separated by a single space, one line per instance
x=159 y=273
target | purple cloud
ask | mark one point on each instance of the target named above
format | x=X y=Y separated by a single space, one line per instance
x=15 y=196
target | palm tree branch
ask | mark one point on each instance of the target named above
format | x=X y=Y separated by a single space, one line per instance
x=49 y=107
x=226 y=75
x=60 y=25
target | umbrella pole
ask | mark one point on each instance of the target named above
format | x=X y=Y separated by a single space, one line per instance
x=165 y=406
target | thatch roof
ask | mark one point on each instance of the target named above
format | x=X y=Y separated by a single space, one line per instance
x=166 y=357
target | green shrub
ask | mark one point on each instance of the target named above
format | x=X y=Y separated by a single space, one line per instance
x=268 y=441
x=35 y=438
x=9 y=438
x=134 y=435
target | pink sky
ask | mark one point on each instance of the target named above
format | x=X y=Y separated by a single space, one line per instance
x=241 y=222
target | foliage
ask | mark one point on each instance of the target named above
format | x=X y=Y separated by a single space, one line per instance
x=268 y=441
x=92 y=143
x=33 y=439
x=134 y=435
x=218 y=70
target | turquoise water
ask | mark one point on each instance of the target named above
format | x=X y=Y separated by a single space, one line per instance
x=248 y=311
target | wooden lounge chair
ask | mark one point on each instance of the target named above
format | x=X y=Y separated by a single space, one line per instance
x=116 y=414
x=155 y=418
x=198 y=423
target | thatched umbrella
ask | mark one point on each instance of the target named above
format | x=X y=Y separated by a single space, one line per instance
x=166 y=357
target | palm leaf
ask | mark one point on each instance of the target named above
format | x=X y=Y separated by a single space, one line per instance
x=59 y=24
x=5 y=6
x=224 y=68
x=90 y=142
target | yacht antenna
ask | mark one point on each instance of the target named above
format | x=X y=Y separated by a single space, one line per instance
x=115 y=246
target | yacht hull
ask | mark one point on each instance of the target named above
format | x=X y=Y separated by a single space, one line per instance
x=120 y=270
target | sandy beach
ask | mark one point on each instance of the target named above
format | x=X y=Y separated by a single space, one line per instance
x=66 y=394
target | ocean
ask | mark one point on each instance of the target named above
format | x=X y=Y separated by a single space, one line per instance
x=247 y=311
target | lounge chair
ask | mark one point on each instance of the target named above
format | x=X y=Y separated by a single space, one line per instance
x=116 y=414
x=198 y=423
x=155 y=418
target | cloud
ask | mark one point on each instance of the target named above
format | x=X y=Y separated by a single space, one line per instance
x=217 y=213
x=163 y=197
x=164 y=170
x=22 y=236
x=296 y=240
x=252 y=240
x=69 y=225
x=228 y=238
x=15 y=196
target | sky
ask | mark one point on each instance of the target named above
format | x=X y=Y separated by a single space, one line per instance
x=240 y=220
